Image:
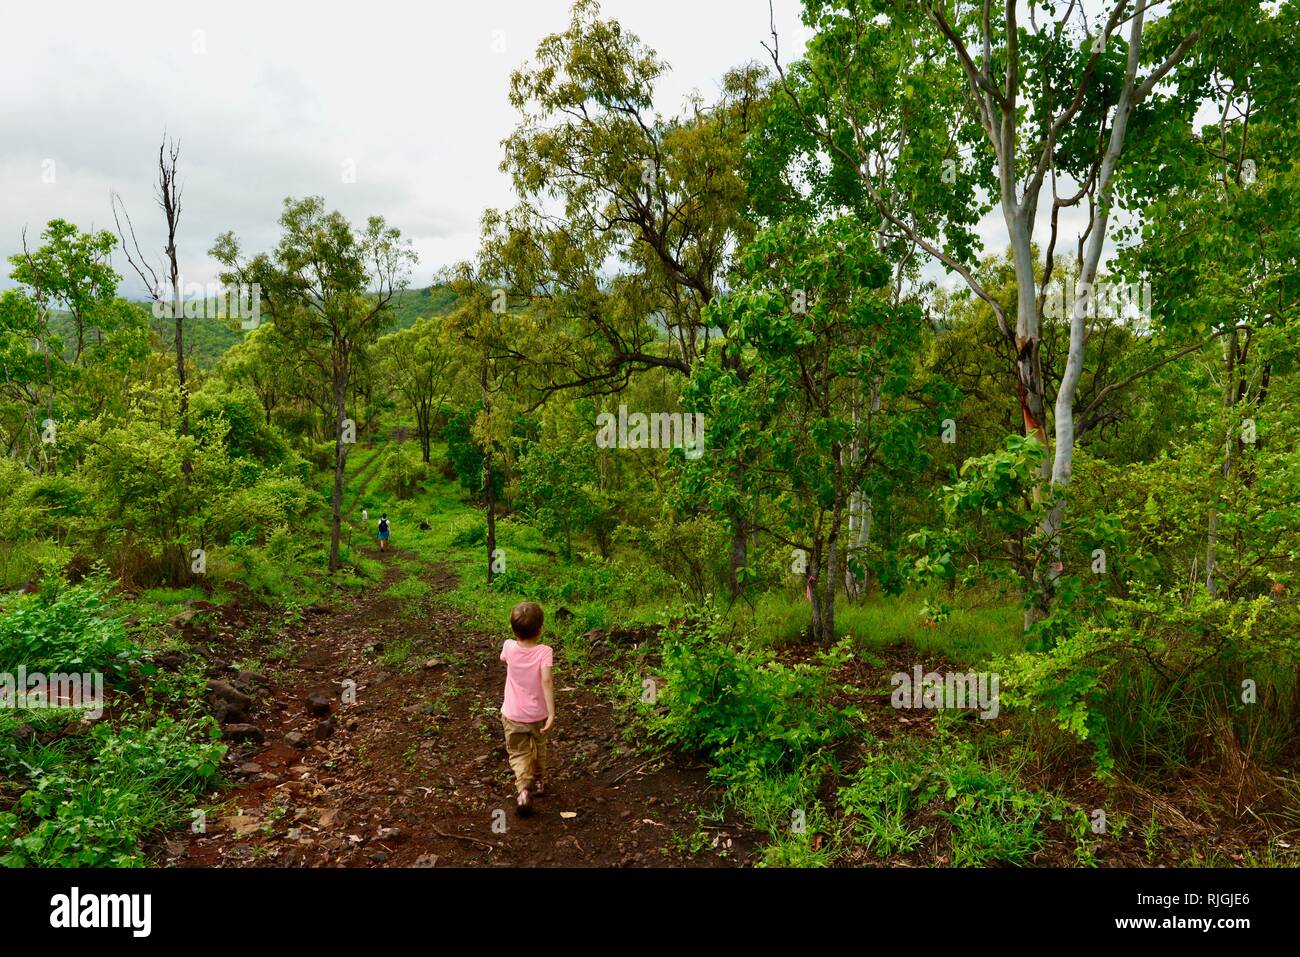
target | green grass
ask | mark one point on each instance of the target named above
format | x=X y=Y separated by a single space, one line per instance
x=900 y=794
x=170 y=597
x=408 y=589
x=969 y=636
x=21 y=562
x=397 y=653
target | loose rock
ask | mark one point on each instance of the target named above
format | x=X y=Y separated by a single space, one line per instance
x=243 y=732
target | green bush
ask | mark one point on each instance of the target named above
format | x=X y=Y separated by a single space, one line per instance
x=237 y=421
x=467 y=532
x=64 y=628
x=692 y=552
x=94 y=809
x=740 y=705
x=1143 y=685
x=321 y=455
x=272 y=501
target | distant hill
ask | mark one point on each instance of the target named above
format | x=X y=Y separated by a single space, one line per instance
x=206 y=340
x=410 y=305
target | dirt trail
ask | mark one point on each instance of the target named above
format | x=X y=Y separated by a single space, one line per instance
x=415 y=773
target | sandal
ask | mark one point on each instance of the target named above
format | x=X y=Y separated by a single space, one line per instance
x=524 y=803
x=538 y=788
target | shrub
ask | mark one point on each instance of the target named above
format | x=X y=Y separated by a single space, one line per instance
x=64 y=628
x=469 y=531
x=271 y=502
x=321 y=455
x=1143 y=685
x=740 y=705
x=131 y=781
x=693 y=552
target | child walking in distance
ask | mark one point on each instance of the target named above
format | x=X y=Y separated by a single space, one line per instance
x=383 y=532
x=528 y=711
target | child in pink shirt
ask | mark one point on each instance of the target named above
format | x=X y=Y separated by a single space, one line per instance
x=528 y=711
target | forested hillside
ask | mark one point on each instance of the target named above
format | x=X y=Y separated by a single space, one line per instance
x=901 y=439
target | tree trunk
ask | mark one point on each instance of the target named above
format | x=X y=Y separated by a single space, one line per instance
x=860 y=513
x=340 y=461
x=423 y=424
x=739 y=552
x=180 y=359
x=51 y=459
x=827 y=635
x=1029 y=371
x=1229 y=448
x=488 y=477
x=813 y=592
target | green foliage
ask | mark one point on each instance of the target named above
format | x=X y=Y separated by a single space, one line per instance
x=817 y=341
x=692 y=551
x=743 y=708
x=403 y=472
x=125 y=783
x=65 y=628
x=464 y=454
x=991 y=501
x=261 y=510
x=1143 y=685
x=560 y=489
x=234 y=419
x=993 y=820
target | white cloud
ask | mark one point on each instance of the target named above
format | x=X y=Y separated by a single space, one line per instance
x=269 y=100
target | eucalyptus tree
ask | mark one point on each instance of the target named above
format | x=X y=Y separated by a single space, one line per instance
x=492 y=340
x=422 y=364
x=327 y=287
x=946 y=110
x=627 y=219
x=812 y=313
x=1219 y=226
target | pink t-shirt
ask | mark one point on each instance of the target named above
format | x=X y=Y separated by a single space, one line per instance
x=524 y=702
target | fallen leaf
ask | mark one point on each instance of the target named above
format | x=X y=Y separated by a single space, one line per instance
x=568 y=814
x=236 y=821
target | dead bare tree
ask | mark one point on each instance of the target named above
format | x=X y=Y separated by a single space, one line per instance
x=169 y=201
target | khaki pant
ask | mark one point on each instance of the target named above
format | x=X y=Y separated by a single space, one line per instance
x=526 y=746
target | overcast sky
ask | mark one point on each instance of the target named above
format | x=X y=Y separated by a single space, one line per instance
x=270 y=99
